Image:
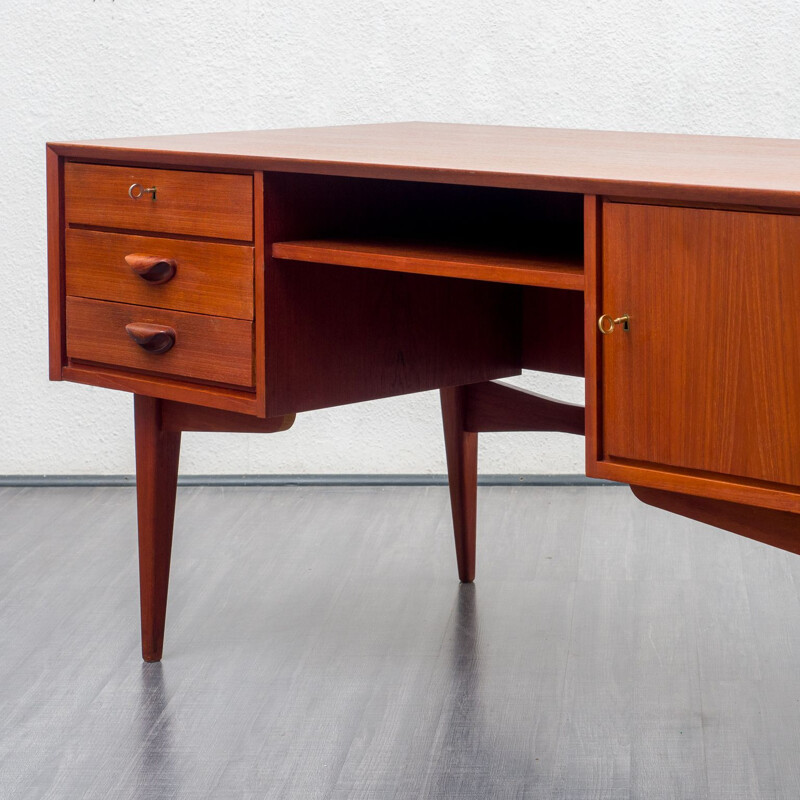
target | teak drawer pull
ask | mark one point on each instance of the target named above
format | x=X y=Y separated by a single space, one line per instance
x=607 y=324
x=155 y=339
x=153 y=269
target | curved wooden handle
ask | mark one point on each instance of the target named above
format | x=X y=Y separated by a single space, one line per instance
x=155 y=339
x=153 y=269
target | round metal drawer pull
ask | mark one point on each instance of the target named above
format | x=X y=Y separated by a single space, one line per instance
x=136 y=190
x=608 y=324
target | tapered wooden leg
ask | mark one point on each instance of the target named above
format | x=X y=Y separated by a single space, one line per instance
x=157 y=454
x=462 y=469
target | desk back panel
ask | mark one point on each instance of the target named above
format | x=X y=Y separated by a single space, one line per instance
x=339 y=335
x=552 y=331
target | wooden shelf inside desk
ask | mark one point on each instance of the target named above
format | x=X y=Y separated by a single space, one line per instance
x=476 y=263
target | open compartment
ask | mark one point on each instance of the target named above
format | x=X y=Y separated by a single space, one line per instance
x=461 y=284
x=484 y=233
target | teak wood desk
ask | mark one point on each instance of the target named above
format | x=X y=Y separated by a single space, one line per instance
x=233 y=280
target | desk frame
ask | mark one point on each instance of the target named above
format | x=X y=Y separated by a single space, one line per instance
x=443 y=317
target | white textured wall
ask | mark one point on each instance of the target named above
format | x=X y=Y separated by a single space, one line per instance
x=74 y=69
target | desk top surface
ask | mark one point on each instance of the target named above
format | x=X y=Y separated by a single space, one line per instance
x=710 y=168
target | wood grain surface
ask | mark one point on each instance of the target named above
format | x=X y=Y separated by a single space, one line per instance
x=210 y=278
x=448 y=260
x=592 y=353
x=711 y=168
x=157 y=456
x=188 y=417
x=214 y=349
x=461 y=452
x=259 y=289
x=708 y=377
x=698 y=397
x=56 y=297
x=243 y=401
x=499 y=406
x=776 y=528
x=338 y=335
x=187 y=202
x=552 y=330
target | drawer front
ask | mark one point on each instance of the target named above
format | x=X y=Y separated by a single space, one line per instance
x=209 y=278
x=206 y=348
x=188 y=203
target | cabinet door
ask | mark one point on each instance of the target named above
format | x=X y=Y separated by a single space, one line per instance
x=702 y=393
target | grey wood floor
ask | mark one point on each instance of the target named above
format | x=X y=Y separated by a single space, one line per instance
x=320 y=646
